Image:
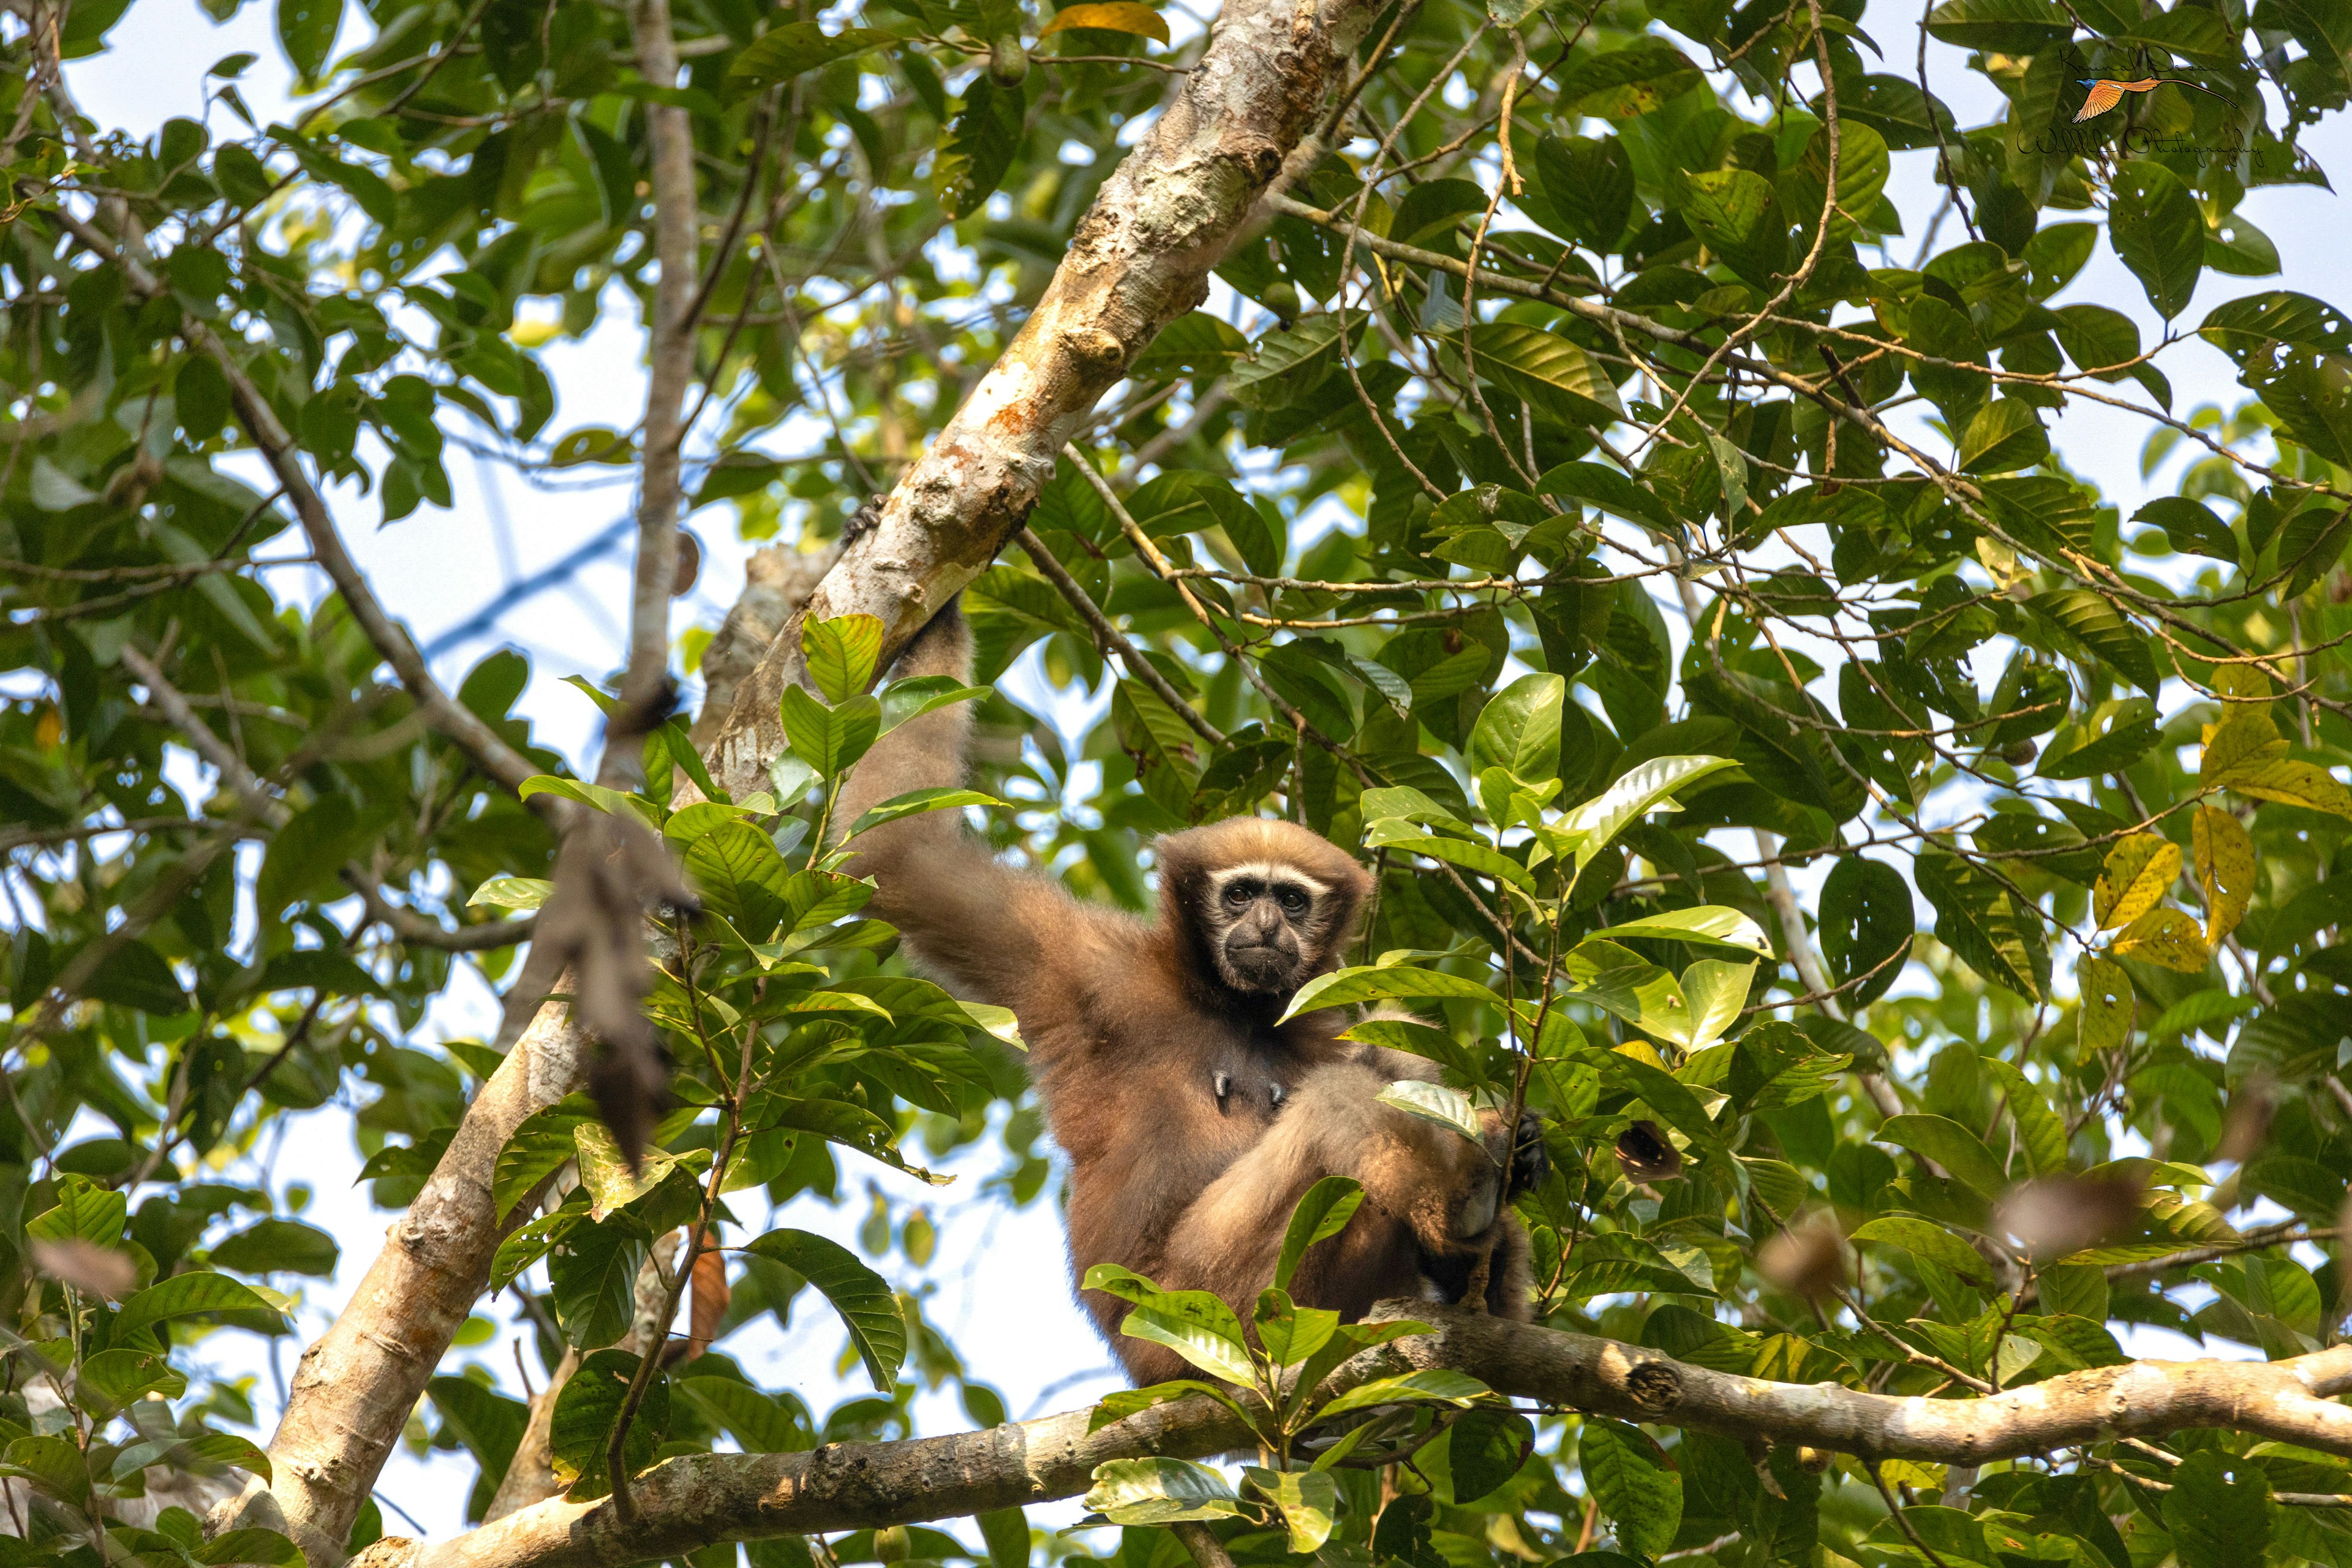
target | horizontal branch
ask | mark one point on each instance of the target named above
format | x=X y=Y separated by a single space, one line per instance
x=701 y=1499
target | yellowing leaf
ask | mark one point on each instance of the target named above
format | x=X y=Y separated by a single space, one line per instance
x=1109 y=16
x=2138 y=871
x=2306 y=785
x=2244 y=738
x=2166 y=936
x=2225 y=870
x=2105 y=1021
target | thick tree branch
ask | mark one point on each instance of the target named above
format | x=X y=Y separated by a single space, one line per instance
x=692 y=1502
x=1138 y=258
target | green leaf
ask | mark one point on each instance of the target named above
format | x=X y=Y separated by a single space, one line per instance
x=1738 y=213
x=1198 y=1327
x=84 y=1211
x=541 y=1146
x=2002 y=436
x=916 y=802
x=2157 y=228
x=1469 y=854
x=1288 y=1332
x=2040 y=1135
x=760 y=1422
x=1625 y=1475
x=185 y=1295
x=1932 y=1243
x=2006 y=27
x=306 y=30
x=2190 y=526
x=1160 y=1491
x=580 y=1431
x=1379 y=983
x=1950 y=1145
x=1308 y=1501
x=842 y=652
x=1322 y=1214
x=1518 y=730
x=1552 y=374
x=866 y=1306
x=269 y=1246
x=511 y=893
x=830 y=739
x=1644 y=788
x=737 y=871
x=1434 y=1102
x=1485 y=1448
x=1866 y=920
x=1714 y=923
x=2086 y=621
x=979 y=146
x=135 y=976
x=788 y=50
x=1433 y=1385
x=2218 y=1511
x=594 y=1277
x=1991 y=929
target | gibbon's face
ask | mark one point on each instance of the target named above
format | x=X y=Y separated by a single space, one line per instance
x=1269 y=925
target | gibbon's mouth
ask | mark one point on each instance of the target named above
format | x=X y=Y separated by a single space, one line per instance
x=1260 y=964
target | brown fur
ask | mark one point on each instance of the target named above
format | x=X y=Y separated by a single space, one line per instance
x=1129 y=1028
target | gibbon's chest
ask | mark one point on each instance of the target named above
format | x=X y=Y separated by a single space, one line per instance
x=1245 y=1078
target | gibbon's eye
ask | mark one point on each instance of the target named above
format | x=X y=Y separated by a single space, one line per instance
x=1239 y=894
x=1293 y=902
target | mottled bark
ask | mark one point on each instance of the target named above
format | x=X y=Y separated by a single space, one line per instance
x=1139 y=259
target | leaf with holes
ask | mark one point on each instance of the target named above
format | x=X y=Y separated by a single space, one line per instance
x=1866 y=920
x=1991 y=929
x=2168 y=936
x=2157 y=228
x=2106 y=1018
x=2139 y=870
x=2225 y=870
x=979 y=146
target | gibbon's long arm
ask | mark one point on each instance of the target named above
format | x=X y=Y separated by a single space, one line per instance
x=993 y=933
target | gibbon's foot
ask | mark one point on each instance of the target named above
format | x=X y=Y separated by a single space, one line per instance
x=1530 y=1161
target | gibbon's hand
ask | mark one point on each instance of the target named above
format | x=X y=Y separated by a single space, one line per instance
x=1530 y=1161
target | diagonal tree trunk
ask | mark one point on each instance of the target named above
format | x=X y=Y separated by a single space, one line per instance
x=1139 y=259
x=1141 y=256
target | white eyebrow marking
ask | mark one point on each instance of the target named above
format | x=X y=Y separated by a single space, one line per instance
x=1271 y=871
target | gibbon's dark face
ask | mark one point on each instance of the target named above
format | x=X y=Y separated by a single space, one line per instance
x=1262 y=905
x=1268 y=923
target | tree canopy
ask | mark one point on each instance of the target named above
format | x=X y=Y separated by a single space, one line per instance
x=1520 y=441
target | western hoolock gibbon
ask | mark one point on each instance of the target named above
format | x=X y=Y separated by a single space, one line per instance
x=1192 y=1121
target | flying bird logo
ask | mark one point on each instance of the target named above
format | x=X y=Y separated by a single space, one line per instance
x=2106 y=92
